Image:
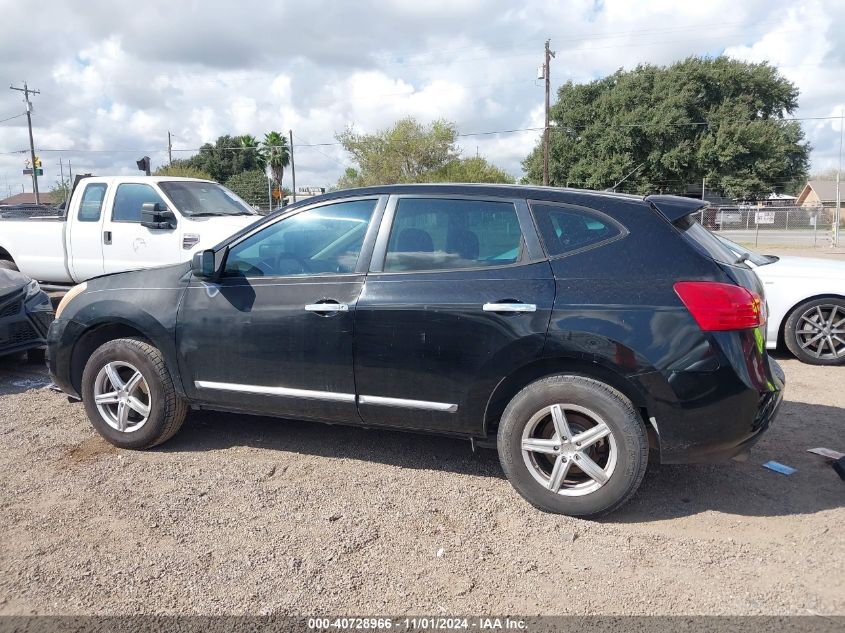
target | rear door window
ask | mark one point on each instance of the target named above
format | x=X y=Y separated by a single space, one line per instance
x=92 y=202
x=446 y=234
x=567 y=229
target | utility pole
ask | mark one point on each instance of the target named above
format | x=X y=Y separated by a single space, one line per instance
x=838 y=214
x=549 y=54
x=292 y=170
x=26 y=92
x=169 y=149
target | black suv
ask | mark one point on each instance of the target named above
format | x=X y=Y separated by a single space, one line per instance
x=576 y=329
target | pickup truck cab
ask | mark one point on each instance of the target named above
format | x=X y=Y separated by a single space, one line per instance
x=108 y=229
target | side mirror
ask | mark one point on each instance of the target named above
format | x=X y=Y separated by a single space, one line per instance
x=202 y=265
x=157 y=216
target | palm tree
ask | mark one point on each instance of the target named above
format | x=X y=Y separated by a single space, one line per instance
x=275 y=152
x=251 y=150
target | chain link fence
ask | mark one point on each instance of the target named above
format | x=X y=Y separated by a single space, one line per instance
x=783 y=226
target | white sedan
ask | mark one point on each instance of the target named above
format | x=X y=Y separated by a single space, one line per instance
x=806 y=300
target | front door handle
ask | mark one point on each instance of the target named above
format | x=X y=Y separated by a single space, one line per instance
x=327 y=307
x=106 y=237
x=509 y=307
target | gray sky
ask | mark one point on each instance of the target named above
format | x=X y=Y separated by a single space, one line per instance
x=116 y=76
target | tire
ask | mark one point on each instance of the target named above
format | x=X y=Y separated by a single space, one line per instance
x=6 y=264
x=153 y=391
x=621 y=456
x=812 y=318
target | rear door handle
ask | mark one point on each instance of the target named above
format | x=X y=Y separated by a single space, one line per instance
x=106 y=237
x=327 y=307
x=510 y=307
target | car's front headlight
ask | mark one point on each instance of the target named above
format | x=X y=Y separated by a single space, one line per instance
x=73 y=292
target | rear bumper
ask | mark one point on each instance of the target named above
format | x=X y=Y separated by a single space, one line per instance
x=711 y=416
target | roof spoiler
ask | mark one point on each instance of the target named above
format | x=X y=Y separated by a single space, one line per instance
x=674 y=208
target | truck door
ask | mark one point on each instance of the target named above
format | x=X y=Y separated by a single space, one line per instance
x=126 y=244
x=85 y=227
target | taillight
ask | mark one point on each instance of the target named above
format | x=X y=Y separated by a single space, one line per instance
x=718 y=306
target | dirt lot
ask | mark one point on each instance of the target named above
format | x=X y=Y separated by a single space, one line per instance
x=254 y=515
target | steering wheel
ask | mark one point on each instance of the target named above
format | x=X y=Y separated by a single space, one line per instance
x=282 y=265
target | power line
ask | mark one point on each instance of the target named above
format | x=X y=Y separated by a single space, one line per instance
x=459 y=135
x=17 y=116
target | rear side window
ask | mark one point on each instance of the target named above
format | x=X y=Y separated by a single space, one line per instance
x=92 y=202
x=130 y=198
x=443 y=234
x=703 y=240
x=567 y=229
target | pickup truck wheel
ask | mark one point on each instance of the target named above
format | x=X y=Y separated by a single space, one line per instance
x=573 y=445
x=815 y=332
x=129 y=394
x=5 y=264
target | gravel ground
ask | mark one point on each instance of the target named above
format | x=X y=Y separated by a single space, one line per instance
x=248 y=515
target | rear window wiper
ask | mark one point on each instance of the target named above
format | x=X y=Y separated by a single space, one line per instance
x=742 y=259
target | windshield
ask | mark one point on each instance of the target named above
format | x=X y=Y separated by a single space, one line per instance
x=198 y=198
x=751 y=256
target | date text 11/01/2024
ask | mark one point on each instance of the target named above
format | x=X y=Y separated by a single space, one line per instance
x=417 y=623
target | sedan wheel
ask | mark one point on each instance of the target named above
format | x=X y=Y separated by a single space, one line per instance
x=815 y=332
x=122 y=396
x=821 y=332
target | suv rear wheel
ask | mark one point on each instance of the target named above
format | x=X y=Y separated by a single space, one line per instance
x=129 y=394
x=573 y=445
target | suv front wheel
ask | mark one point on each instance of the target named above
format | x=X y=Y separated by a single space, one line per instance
x=573 y=445
x=129 y=394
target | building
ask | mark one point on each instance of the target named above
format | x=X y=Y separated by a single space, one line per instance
x=305 y=192
x=28 y=198
x=818 y=193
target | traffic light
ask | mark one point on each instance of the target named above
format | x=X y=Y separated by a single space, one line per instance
x=144 y=164
x=37 y=162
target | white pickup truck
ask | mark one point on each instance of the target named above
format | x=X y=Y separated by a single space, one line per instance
x=122 y=223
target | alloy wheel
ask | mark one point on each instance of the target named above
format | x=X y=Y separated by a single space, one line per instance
x=820 y=332
x=569 y=449
x=122 y=396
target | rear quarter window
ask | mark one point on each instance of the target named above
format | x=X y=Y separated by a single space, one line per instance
x=704 y=241
x=567 y=229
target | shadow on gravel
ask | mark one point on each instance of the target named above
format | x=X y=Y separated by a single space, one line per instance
x=211 y=431
x=668 y=491
x=17 y=374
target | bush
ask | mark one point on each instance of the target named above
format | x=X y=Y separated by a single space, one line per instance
x=182 y=171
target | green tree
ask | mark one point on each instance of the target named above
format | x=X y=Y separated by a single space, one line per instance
x=251 y=150
x=276 y=153
x=185 y=171
x=407 y=152
x=250 y=185
x=474 y=169
x=223 y=159
x=713 y=118
x=60 y=192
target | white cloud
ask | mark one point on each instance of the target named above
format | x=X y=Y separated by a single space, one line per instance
x=118 y=79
